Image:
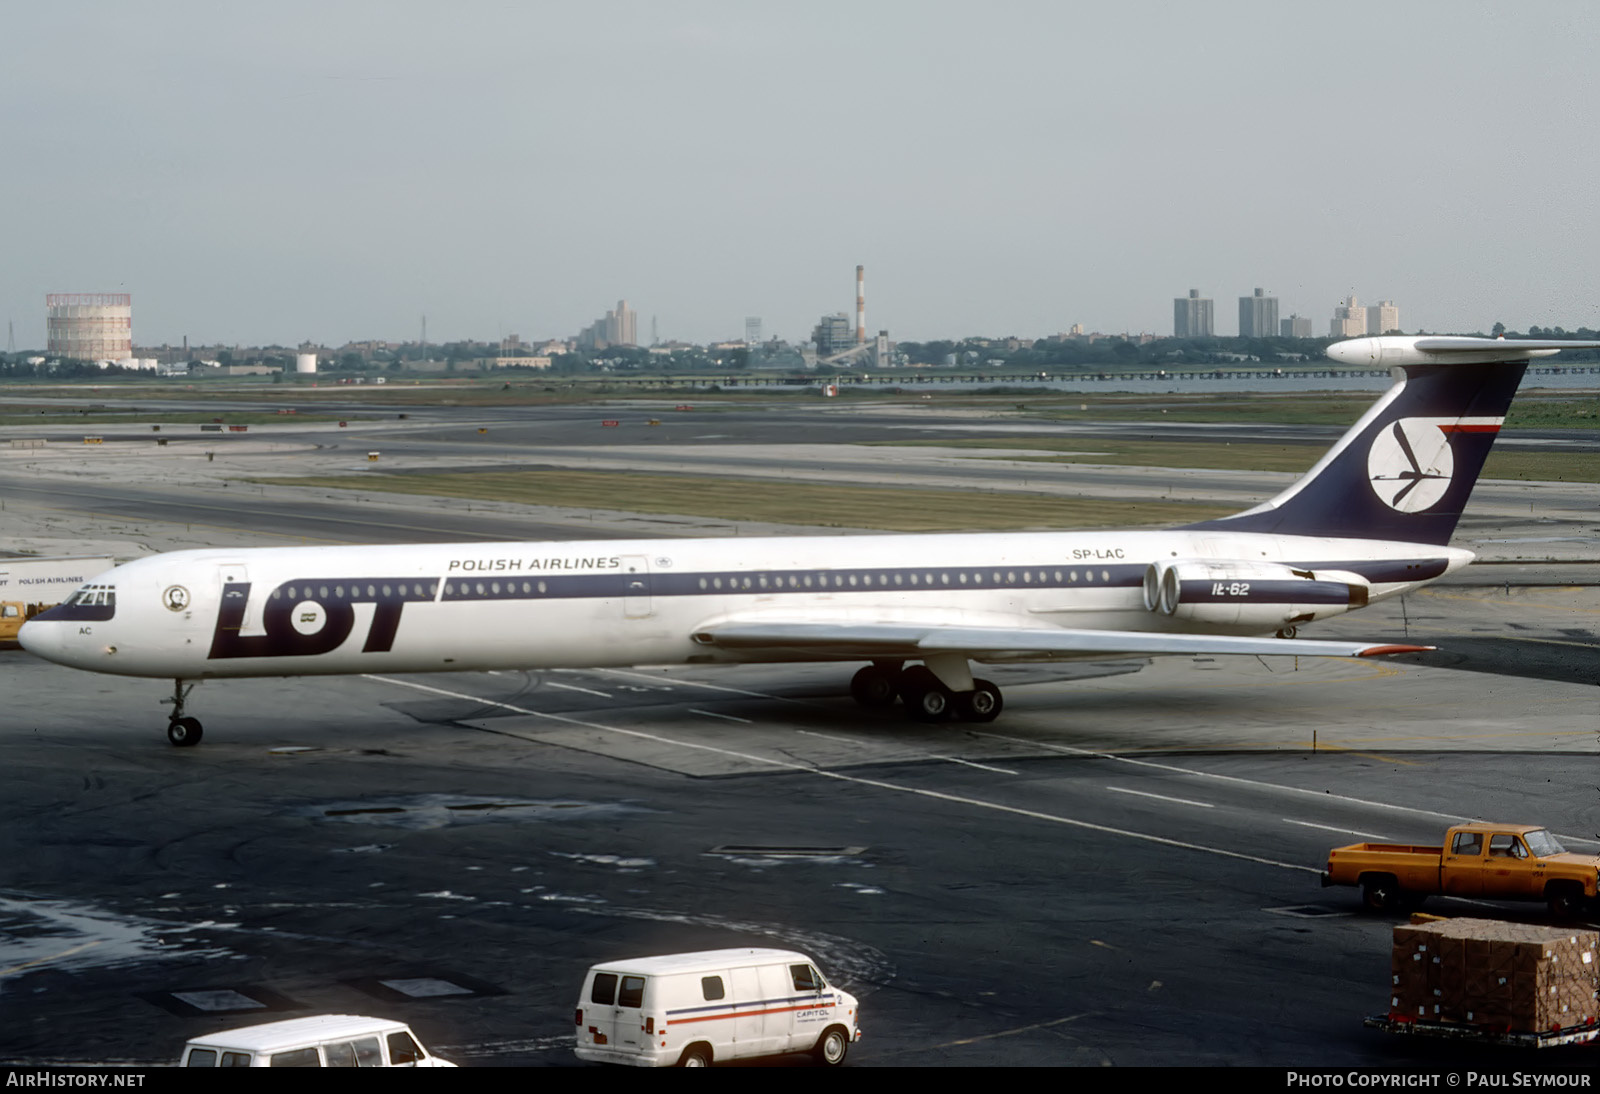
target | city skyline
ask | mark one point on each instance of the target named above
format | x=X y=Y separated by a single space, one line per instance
x=308 y=172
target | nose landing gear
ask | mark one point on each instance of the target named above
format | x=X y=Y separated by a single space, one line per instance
x=182 y=731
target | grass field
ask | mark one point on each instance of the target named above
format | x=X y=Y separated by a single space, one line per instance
x=788 y=502
x=1547 y=409
x=18 y=414
x=1503 y=463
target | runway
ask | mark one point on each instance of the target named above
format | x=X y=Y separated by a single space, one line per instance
x=1122 y=870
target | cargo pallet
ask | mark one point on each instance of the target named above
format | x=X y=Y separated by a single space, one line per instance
x=1459 y=1031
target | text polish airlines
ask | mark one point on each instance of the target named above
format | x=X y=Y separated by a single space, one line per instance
x=1372 y=519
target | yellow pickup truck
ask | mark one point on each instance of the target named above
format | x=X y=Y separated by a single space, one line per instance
x=1492 y=861
x=13 y=614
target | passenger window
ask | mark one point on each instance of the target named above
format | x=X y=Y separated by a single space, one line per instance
x=340 y=1055
x=805 y=978
x=207 y=1057
x=368 y=1054
x=632 y=993
x=1469 y=844
x=235 y=1059
x=605 y=989
x=711 y=988
x=297 y=1057
x=403 y=1050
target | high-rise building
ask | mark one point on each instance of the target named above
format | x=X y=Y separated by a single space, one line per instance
x=1191 y=316
x=618 y=328
x=752 y=330
x=622 y=325
x=1383 y=318
x=1258 y=315
x=93 y=326
x=1296 y=326
x=1349 y=319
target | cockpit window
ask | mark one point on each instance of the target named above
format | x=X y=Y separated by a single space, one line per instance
x=92 y=602
x=98 y=596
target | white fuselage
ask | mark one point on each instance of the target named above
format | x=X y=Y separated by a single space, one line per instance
x=460 y=607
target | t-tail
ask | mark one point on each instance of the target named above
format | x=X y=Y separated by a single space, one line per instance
x=1405 y=470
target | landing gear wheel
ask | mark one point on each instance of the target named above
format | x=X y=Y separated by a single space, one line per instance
x=933 y=705
x=831 y=1048
x=875 y=686
x=184 y=732
x=925 y=697
x=982 y=704
x=1288 y=632
x=181 y=731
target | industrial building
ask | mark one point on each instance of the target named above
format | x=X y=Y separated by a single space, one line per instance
x=89 y=326
x=832 y=335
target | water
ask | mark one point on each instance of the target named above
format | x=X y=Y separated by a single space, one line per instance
x=1299 y=379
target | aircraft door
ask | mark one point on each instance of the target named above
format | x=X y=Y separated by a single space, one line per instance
x=235 y=611
x=636 y=586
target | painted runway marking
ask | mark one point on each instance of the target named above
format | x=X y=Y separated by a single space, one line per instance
x=724 y=717
x=575 y=687
x=1018 y=1031
x=925 y=755
x=828 y=737
x=664 y=682
x=1332 y=828
x=14 y=969
x=970 y=763
x=1161 y=797
x=791 y=765
x=1320 y=795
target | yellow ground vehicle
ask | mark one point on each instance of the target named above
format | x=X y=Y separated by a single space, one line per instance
x=1492 y=861
x=14 y=613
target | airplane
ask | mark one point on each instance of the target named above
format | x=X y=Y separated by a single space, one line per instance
x=1372 y=519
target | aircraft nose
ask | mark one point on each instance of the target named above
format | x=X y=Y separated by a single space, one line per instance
x=42 y=638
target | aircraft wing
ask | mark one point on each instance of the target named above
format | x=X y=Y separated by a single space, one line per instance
x=849 y=640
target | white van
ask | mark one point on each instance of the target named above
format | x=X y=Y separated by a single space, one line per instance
x=327 y=1040
x=692 y=1009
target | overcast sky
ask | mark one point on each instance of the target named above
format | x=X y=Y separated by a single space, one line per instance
x=285 y=171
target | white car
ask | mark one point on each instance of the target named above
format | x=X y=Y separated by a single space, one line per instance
x=326 y=1040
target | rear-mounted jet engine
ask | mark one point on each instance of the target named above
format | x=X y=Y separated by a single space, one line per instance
x=1253 y=596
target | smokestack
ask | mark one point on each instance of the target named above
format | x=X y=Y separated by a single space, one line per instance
x=861 y=305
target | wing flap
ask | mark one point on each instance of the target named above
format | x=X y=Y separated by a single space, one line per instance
x=915 y=640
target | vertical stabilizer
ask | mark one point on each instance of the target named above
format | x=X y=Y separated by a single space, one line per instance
x=1406 y=469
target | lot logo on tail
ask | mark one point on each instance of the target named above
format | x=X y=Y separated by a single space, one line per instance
x=1410 y=464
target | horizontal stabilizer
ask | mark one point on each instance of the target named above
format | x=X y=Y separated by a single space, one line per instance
x=1447 y=350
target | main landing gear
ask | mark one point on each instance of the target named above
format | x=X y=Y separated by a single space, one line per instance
x=181 y=731
x=938 y=689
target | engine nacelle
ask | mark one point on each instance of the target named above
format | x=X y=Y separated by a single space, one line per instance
x=1259 y=596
